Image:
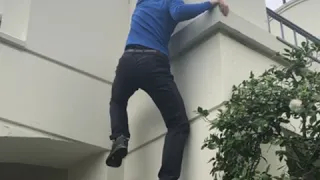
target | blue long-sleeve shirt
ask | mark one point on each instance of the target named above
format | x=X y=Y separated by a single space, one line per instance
x=153 y=21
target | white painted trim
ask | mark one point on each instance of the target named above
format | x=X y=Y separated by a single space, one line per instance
x=6 y=38
x=21 y=45
x=235 y=26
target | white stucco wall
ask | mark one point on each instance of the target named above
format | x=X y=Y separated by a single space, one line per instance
x=88 y=35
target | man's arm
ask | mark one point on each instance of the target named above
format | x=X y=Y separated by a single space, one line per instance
x=182 y=12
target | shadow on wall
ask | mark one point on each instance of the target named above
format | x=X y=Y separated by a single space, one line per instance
x=14 y=171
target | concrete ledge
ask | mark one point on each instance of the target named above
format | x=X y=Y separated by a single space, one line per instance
x=21 y=45
x=10 y=128
x=234 y=26
x=12 y=41
x=44 y=151
x=193 y=33
x=27 y=145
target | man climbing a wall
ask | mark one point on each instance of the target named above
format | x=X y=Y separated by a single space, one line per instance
x=145 y=65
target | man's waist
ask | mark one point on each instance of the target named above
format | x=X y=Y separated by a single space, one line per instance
x=146 y=43
x=142 y=49
x=138 y=47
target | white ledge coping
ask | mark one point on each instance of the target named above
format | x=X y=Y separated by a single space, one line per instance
x=13 y=41
x=234 y=26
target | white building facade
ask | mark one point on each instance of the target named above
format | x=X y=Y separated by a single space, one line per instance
x=57 y=63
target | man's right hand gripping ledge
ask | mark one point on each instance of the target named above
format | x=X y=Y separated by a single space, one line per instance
x=181 y=12
x=224 y=8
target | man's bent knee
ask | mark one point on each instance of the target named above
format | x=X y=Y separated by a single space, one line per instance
x=179 y=122
x=185 y=128
x=182 y=128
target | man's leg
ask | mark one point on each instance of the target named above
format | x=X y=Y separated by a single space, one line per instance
x=164 y=92
x=122 y=89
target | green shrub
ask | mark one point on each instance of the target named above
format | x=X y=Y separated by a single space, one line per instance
x=257 y=112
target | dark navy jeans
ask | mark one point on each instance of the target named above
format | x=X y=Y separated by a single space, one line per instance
x=150 y=72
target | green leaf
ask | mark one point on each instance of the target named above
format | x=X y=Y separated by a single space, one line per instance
x=267 y=169
x=287 y=50
x=265 y=177
x=286 y=121
x=281 y=167
x=313 y=119
x=204 y=146
x=288 y=114
x=212 y=159
x=203 y=112
x=251 y=75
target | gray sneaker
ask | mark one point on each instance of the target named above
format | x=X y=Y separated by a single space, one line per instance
x=118 y=152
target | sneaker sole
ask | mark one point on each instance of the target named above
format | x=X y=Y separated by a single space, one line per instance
x=115 y=158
